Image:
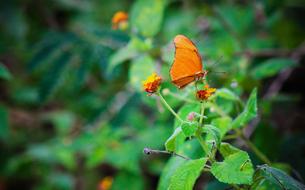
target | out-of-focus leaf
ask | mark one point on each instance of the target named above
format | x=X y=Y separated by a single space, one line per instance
x=120 y=56
x=4 y=127
x=223 y=124
x=277 y=177
x=127 y=179
x=141 y=68
x=147 y=16
x=250 y=111
x=61 y=180
x=235 y=169
x=49 y=83
x=4 y=72
x=226 y=94
x=271 y=67
x=186 y=174
x=62 y=121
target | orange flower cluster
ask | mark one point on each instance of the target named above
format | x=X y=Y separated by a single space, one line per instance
x=105 y=183
x=205 y=93
x=119 y=20
x=152 y=83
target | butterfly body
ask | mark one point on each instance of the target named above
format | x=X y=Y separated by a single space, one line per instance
x=187 y=66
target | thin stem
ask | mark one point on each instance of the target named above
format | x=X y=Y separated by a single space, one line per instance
x=168 y=107
x=256 y=151
x=199 y=131
x=182 y=98
x=149 y=151
x=229 y=137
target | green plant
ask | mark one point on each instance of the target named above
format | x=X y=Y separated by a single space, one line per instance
x=203 y=123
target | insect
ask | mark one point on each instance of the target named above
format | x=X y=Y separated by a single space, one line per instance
x=187 y=66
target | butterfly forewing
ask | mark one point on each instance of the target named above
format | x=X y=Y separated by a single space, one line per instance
x=187 y=62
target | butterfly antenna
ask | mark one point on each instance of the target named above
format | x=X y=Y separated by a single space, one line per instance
x=217 y=61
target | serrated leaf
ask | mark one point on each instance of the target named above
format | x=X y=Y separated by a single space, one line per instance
x=189 y=128
x=223 y=124
x=235 y=169
x=4 y=72
x=170 y=144
x=147 y=16
x=271 y=67
x=250 y=111
x=213 y=133
x=278 y=178
x=141 y=68
x=186 y=174
x=226 y=149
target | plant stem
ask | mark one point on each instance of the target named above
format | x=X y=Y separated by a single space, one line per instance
x=256 y=151
x=168 y=107
x=199 y=131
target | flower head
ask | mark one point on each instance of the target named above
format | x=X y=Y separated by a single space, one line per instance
x=105 y=183
x=119 y=20
x=205 y=93
x=152 y=83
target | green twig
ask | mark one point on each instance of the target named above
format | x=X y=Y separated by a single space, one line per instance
x=256 y=151
x=199 y=131
x=168 y=107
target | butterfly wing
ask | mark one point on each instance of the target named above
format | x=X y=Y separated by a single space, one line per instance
x=187 y=62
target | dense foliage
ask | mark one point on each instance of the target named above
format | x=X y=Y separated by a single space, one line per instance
x=74 y=115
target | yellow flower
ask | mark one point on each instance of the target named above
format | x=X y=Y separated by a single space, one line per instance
x=105 y=183
x=152 y=83
x=119 y=20
x=206 y=93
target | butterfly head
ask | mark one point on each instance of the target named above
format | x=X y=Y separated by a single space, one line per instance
x=200 y=75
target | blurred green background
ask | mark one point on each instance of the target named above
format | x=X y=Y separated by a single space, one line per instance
x=72 y=111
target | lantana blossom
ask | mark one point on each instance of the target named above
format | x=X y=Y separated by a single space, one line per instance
x=119 y=20
x=205 y=93
x=152 y=83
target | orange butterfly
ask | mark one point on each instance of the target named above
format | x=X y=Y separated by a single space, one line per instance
x=187 y=66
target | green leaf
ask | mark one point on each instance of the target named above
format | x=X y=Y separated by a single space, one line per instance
x=4 y=127
x=271 y=67
x=235 y=169
x=51 y=80
x=185 y=110
x=213 y=133
x=223 y=124
x=226 y=149
x=250 y=111
x=226 y=94
x=147 y=16
x=4 y=72
x=141 y=68
x=170 y=144
x=191 y=149
x=278 y=178
x=123 y=54
x=189 y=128
x=186 y=174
